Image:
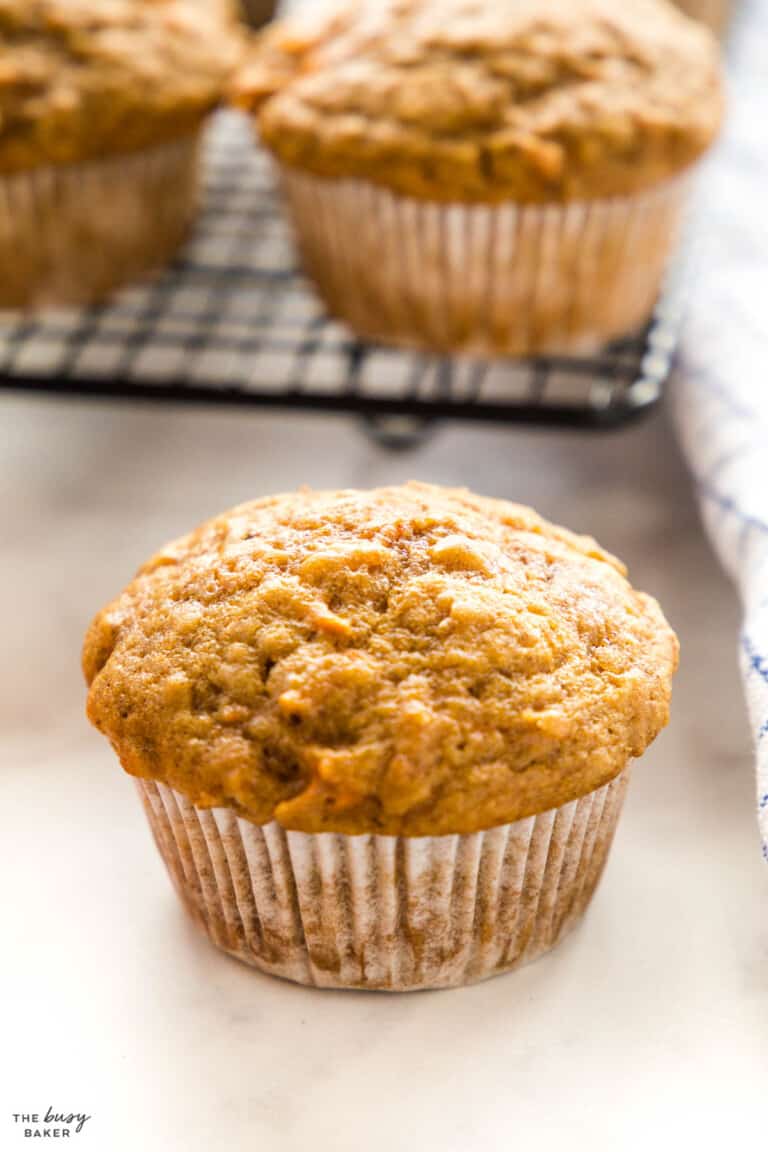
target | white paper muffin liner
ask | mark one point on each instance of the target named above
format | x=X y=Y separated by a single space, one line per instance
x=501 y=279
x=70 y=235
x=385 y=912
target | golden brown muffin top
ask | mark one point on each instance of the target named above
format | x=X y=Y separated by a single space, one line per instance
x=82 y=79
x=482 y=100
x=412 y=660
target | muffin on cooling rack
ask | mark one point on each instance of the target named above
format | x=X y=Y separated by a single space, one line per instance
x=498 y=176
x=382 y=738
x=101 y=108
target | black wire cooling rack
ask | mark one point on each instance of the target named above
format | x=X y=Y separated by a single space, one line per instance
x=232 y=321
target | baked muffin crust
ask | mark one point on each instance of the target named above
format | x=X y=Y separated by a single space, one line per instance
x=84 y=79
x=483 y=100
x=410 y=660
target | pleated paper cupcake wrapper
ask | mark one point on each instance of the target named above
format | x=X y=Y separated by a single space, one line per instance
x=385 y=912
x=73 y=234
x=498 y=279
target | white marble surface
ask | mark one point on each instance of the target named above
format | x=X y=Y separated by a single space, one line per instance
x=647 y=1029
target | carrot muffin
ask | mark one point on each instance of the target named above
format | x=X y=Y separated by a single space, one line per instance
x=486 y=175
x=382 y=738
x=101 y=107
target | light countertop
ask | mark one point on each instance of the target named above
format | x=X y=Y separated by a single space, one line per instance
x=648 y=1028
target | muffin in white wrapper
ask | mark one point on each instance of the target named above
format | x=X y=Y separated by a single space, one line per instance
x=101 y=113
x=382 y=737
x=496 y=179
x=388 y=913
x=495 y=279
x=73 y=234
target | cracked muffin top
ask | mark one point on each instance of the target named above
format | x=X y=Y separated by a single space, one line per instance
x=411 y=660
x=84 y=79
x=482 y=100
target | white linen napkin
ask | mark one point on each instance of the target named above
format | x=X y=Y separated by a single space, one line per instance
x=721 y=390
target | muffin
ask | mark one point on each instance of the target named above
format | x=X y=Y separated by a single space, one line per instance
x=101 y=108
x=490 y=176
x=382 y=738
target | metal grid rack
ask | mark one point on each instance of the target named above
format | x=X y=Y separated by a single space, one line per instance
x=232 y=321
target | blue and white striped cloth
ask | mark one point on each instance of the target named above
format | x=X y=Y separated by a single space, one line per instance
x=721 y=391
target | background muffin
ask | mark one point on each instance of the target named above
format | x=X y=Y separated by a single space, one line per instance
x=101 y=105
x=484 y=175
x=363 y=669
